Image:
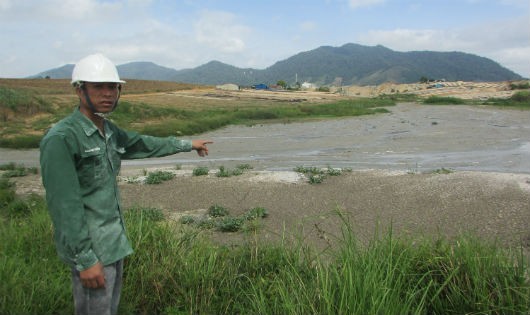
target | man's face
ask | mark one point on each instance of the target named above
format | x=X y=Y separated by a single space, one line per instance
x=102 y=94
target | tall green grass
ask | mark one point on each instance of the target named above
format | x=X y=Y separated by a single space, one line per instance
x=21 y=102
x=15 y=105
x=32 y=279
x=178 y=270
x=444 y=100
x=520 y=99
x=21 y=142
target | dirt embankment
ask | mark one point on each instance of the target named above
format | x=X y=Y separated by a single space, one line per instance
x=459 y=89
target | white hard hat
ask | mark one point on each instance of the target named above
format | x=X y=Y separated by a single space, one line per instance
x=95 y=68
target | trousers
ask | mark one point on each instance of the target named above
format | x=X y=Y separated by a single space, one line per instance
x=101 y=301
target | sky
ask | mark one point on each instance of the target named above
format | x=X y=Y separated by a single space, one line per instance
x=38 y=35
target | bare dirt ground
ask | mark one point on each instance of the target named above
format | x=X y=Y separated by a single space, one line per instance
x=459 y=89
x=491 y=206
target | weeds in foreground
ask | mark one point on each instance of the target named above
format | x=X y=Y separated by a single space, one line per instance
x=239 y=170
x=200 y=171
x=442 y=170
x=219 y=218
x=158 y=177
x=16 y=170
x=223 y=172
x=317 y=175
x=178 y=270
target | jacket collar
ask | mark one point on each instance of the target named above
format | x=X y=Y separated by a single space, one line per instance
x=88 y=126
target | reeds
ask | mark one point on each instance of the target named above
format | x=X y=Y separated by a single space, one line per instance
x=177 y=269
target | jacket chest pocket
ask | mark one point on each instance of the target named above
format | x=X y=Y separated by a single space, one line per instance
x=93 y=168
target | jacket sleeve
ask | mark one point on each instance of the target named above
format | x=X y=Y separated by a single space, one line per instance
x=138 y=146
x=63 y=197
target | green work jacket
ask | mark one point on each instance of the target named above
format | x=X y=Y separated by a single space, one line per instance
x=79 y=169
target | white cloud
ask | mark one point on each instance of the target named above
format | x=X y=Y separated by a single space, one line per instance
x=410 y=39
x=504 y=41
x=517 y=3
x=308 y=26
x=354 y=4
x=219 y=30
x=61 y=10
x=5 y=4
x=515 y=59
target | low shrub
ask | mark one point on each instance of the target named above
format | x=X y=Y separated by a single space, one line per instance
x=200 y=171
x=216 y=211
x=16 y=170
x=521 y=96
x=223 y=172
x=158 y=177
x=443 y=100
x=244 y=167
x=230 y=224
x=219 y=218
x=256 y=213
x=520 y=85
x=318 y=175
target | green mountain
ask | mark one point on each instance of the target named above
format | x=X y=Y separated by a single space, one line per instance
x=347 y=65
x=145 y=71
x=365 y=65
x=63 y=72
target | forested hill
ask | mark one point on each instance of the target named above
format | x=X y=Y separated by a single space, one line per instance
x=350 y=64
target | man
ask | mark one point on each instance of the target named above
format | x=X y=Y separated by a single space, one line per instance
x=80 y=159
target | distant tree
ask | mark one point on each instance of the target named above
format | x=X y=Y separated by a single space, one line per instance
x=282 y=83
x=424 y=80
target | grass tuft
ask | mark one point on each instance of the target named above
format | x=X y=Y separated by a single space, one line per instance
x=158 y=177
x=200 y=171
